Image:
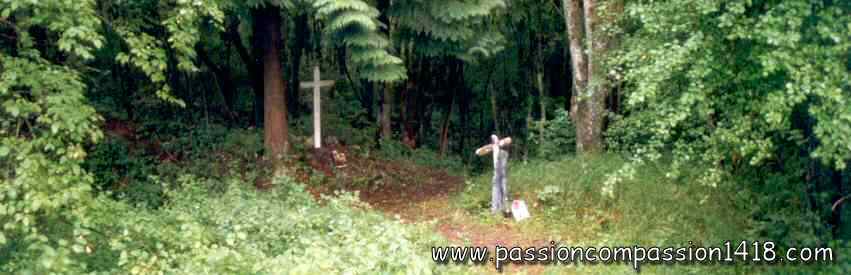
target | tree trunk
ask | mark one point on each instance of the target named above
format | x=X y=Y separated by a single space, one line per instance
x=387 y=104
x=464 y=113
x=275 y=116
x=366 y=98
x=589 y=106
x=573 y=21
x=579 y=61
x=386 y=112
x=252 y=63
x=494 y=110
x=407 y=112
x=223 y=78
x=444 y=129
x=301 y=37
x=529 y=108
x=590 y=127
x=463 y=109
x=542 y=101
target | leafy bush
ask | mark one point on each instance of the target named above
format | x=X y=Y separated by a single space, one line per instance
x=123 y=173
x=549 y=195
x=108 y=161
x=395 y=150
x=558 y=137
x=279 y=231
x=563 y=198
x=342 y=118
x=44 y=192
x=125 y=168
x=244 y=143
x=621 y=136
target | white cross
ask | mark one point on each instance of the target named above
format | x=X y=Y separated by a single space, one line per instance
x=316 y=84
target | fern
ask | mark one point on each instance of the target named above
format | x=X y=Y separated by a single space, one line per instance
x=354 y=24
x=449 y=27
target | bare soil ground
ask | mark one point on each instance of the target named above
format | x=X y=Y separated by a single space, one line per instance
x=420 y=194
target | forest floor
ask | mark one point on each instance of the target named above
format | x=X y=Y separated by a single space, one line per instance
x=421 y=194
x=562 y=195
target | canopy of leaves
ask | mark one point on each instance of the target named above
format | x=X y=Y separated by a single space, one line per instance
x=723 y=80
x=449 y=27
x=44 y=124
x=354 y=24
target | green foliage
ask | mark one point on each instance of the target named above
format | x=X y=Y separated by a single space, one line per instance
x=343 y=118
x=558 y=137
x=621 y=137
x=150 y=47
x=742 y=97
x=77 y=31
x=118 y=170
x=45 y=122
x=132 y=171
x=752 y=90
x=217 y=223
x=242 y=230
x=395 y=150
x=449 y=27
x=651 y=210
x=354 y=24
x=732 y=86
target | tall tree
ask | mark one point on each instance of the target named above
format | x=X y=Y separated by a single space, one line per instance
x=387 y=98
x=589 y=78
x=435 y=35
x=275 y=128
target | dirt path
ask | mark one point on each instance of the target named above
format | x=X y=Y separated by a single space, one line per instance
x=463 y=229
x=420 y=194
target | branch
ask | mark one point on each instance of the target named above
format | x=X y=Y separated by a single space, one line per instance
x=205 y=58
x=232 y=35
x=555 y=7
x=344 y=66
x=839 y=202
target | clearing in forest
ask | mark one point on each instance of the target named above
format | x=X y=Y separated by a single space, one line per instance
x=421 y=194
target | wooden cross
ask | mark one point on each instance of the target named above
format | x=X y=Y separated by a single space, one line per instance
x=484 y=150
x=316 y=84
x=499 y=195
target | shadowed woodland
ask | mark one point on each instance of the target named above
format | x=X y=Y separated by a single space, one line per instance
x=180 y=136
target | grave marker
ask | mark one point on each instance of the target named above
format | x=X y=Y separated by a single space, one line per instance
x=316 y=84
x=499 y=194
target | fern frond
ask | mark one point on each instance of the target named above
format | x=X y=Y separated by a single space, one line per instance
x=325 y=7
x=354 y=24
x=343 y=19
x=446 y=27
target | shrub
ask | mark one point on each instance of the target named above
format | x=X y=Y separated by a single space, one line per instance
x=44 y=192
x=395 y=150
x=557 y=139
x=245 y=231
x=342 y=118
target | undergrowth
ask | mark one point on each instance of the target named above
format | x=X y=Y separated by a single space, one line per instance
x=214 y=225
x=650 y=210
x=395 y=150
x=188 y=204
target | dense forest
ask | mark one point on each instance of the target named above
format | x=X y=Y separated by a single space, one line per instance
x=180 y=136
